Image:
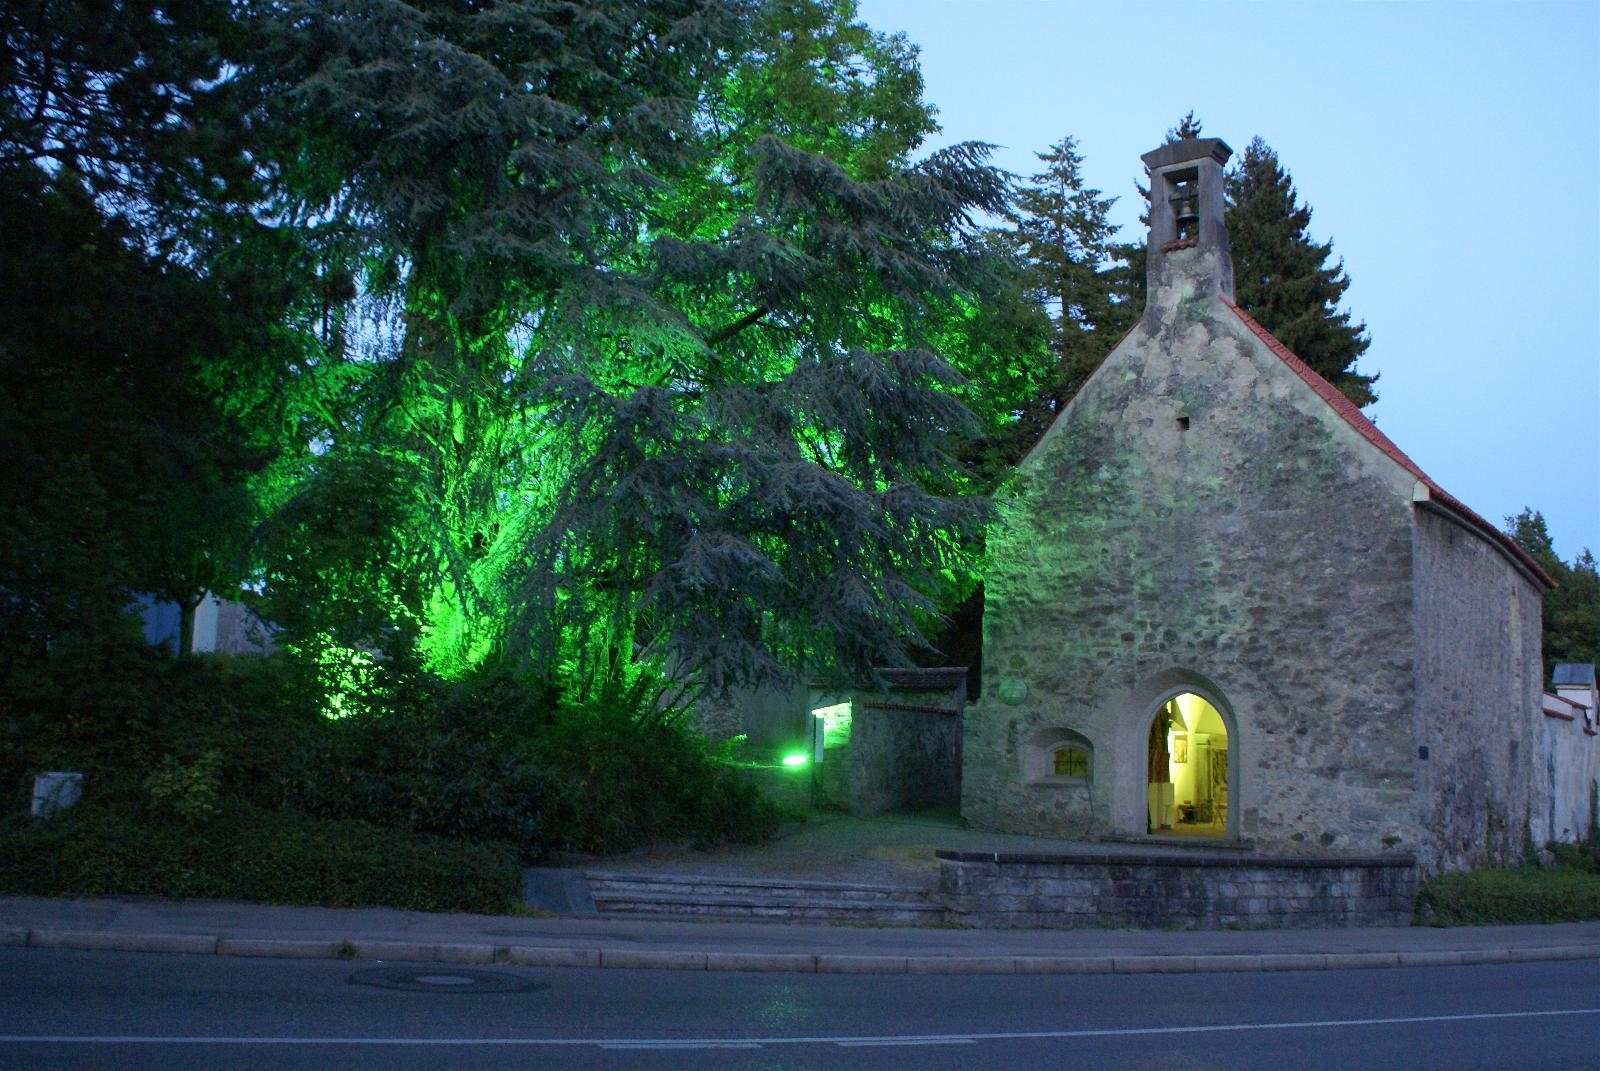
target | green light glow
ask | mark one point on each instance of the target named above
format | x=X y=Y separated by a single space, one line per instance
x=346 y=674
x=835 y=724
x=796 y=760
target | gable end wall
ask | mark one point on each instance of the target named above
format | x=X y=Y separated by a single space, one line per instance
x=1263 y=555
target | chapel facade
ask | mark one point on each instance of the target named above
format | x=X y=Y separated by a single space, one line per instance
x=1222 y=605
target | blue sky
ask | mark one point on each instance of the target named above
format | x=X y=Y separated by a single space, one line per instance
x=1451 y=151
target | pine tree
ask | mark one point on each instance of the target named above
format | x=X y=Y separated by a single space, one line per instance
x=1188 y=127
x=1282 y=276
x=1572 y=609
x=1063 y=232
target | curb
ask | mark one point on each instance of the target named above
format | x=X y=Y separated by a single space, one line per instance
x=794 y=962
x=194 y=944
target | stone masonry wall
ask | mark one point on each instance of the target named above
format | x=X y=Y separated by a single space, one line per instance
x=1197 y=892
x=1257 y=551
x=769 y=717
x=1565 y=791
x=903 y=759
x=1478 y=714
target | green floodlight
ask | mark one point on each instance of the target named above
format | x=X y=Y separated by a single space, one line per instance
x=795 y=761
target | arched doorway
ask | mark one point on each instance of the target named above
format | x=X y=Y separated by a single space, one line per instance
x=1186 y=769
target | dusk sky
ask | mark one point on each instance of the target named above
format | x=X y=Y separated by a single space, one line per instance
x=1451 y=151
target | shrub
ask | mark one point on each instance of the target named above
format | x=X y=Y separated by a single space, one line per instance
x=444 y=759
x=254 y=855
x=1521 y=894
x=119 y=712
x=634 y=781
x=190 y=792
x=1584 y=857
x=491 y=758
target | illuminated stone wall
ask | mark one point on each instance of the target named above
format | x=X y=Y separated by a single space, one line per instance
x=773 y=719
x=1198 y=519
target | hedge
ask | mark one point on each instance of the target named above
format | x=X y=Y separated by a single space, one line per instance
x=1523 y=894
x=492 y=757
x=274 y=857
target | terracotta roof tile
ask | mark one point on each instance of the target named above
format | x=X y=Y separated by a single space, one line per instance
x=1368 y=430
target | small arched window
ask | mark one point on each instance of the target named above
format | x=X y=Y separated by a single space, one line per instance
x=1070 y=760
x=1056 y=756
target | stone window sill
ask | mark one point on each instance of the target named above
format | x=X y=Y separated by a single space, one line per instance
x=1058 y=782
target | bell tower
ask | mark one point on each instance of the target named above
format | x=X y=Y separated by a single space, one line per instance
x=1187 y=234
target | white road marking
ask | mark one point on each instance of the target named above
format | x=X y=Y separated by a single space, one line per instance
x=878 y=1042
x=665 y=1044
x=710 y=1043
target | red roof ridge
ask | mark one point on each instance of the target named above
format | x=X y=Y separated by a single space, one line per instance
x=1364 y=426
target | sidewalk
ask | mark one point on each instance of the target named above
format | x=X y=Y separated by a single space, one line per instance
x=211 y=927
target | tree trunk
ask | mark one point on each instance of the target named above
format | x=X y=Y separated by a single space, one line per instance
x=186 y=614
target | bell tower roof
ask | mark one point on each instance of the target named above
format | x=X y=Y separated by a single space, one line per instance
x=1185 y=150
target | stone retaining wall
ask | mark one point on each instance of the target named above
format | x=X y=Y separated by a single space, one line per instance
x=1191 y=891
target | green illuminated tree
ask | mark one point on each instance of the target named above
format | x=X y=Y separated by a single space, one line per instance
x=604 y=333
x=659 y=307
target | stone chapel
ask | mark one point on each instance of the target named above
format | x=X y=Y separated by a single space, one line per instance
x=1222 y=604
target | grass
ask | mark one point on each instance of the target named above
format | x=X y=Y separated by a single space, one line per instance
x=1566 y=892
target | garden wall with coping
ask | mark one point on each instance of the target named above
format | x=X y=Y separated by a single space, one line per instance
x=1189 y=891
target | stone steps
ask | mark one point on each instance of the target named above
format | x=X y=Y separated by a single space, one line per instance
x=779 y=899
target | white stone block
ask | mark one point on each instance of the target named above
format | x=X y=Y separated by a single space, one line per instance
x=55 y=792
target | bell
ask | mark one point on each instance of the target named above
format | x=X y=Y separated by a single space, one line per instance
x=1185 y=203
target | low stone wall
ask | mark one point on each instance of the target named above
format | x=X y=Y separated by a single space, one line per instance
x=1171 y=890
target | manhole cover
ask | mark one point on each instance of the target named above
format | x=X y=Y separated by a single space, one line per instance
x=445 y=980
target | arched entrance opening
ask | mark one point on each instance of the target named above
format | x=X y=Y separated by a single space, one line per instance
x=1187 y=769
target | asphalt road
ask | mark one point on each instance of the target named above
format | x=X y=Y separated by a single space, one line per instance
x=64 y=1009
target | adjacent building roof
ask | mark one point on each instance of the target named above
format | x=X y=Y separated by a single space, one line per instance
x=908 y=679
x=1368 y=430
x=1574 y=674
